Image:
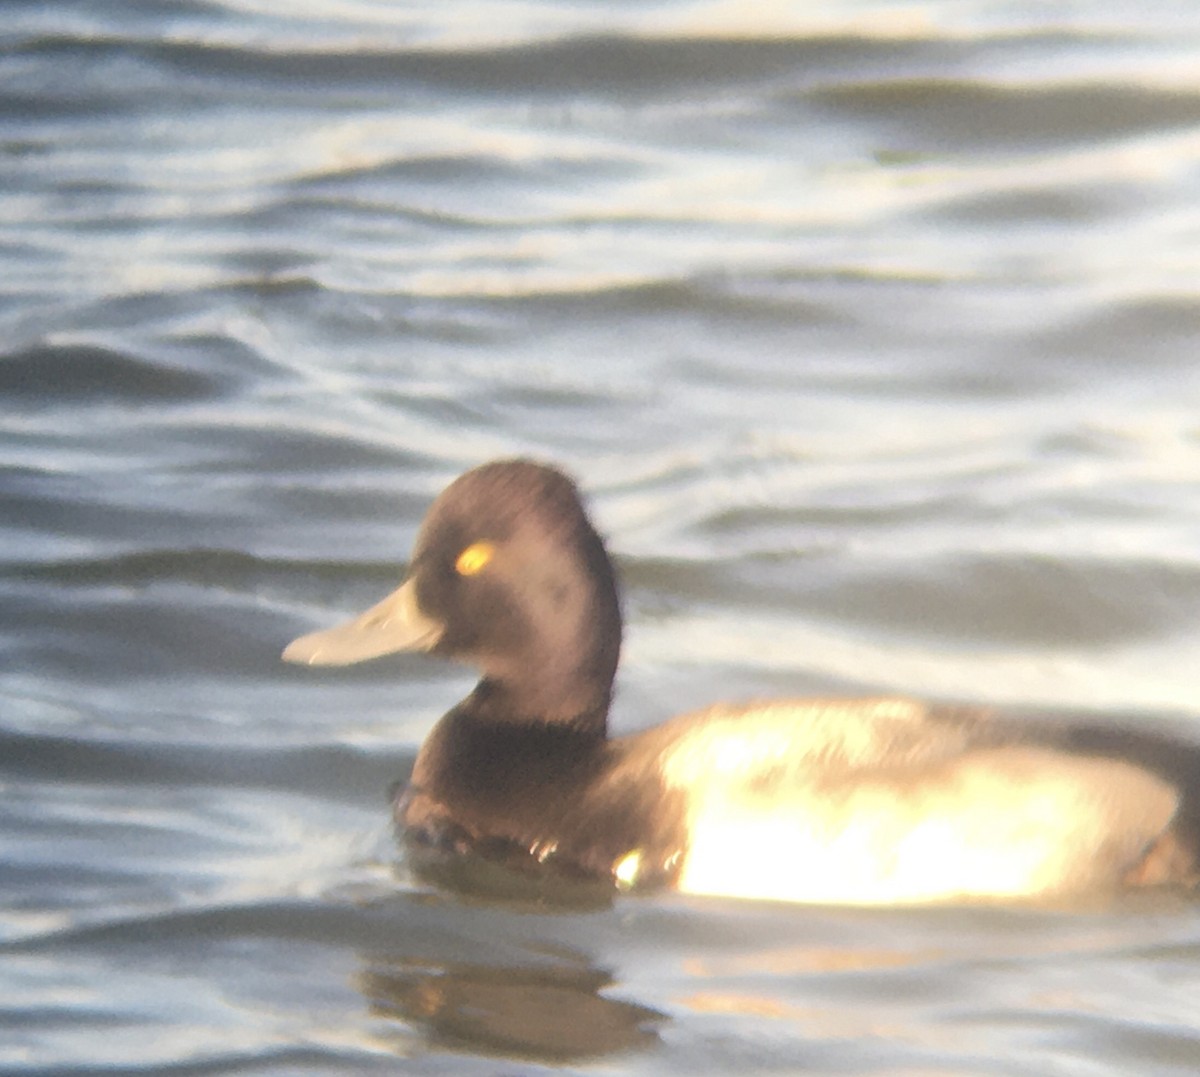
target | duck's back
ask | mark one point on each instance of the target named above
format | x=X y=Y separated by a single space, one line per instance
x=892 y=801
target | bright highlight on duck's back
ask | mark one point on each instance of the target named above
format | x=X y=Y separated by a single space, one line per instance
x=856 y=801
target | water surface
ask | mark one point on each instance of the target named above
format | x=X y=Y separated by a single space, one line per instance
x=870 y=331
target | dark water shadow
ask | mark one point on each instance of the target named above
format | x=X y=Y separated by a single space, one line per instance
x=547 y=1014
x=526 y=1007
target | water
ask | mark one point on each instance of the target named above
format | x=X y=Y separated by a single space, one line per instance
x=870 y=331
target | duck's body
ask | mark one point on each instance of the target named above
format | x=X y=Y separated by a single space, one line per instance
x=879 y=801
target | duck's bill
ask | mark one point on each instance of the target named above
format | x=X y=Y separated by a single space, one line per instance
x=395 y=624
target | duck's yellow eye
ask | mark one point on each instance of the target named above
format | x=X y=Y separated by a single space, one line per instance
x=474 y=558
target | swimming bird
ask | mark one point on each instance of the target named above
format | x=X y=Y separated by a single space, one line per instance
x=852 y=801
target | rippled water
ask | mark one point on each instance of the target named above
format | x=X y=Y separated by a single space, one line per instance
x=871 y=331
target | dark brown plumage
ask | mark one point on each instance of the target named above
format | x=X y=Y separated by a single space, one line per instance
x=864 y=801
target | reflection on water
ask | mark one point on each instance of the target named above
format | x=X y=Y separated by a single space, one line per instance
x=548 y=1014
x=870 y=330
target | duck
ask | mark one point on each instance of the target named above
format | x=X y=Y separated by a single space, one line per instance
x=876 y=800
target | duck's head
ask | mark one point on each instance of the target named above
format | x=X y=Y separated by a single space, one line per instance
x=510 y=576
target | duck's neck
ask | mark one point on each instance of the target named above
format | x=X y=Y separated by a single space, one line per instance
x=557 y=667
x=542 y=702
x=553 y=642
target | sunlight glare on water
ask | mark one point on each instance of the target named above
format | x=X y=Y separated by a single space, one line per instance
x=869 y=332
